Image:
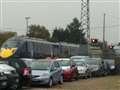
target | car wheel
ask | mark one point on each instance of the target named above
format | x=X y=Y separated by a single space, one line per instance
x=61 y=80
x=14 y=86
x=105 y=73
x=76 y=77
x=86 y=75
x=50 y=84
x=90 y=75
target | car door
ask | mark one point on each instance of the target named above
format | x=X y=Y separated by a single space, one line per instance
x=53 y=72
x=58 y=70
x=73 y=67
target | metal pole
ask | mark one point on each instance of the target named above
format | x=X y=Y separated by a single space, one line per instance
x=85 y=20
x=27 y=26
x=104 y=30
x=88 y=25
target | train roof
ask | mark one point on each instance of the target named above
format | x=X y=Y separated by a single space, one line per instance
x=24 y=38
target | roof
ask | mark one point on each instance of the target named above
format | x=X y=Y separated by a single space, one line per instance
x=63 y=59
x=80 y=57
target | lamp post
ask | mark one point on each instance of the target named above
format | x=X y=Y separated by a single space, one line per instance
x=27 y=26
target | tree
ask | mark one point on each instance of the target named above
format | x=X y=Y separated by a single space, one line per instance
x=76 y=34
x=6 y=35
x=59 y=35
x=38 y=31
x=72 y=33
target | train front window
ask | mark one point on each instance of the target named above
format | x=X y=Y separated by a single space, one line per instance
x=10 y=44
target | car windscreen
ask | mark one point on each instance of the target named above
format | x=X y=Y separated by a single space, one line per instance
x=3 y=62
x=92 y=62
x=79 y=59
x=64 y=63
x=40 y=65
x=28 y=63
x=79 y=63
x=110 y=62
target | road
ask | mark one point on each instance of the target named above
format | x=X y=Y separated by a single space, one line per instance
x=99 y=83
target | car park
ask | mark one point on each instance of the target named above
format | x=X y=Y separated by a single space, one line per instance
x=22 y=69
x=3 y=80
x=46 y=72
x=12 y=76
x=69 y=67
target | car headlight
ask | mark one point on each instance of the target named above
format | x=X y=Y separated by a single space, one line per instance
x=112 y=67
x=7 y=72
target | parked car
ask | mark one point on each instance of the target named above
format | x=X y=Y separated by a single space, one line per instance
x=46 y=72
x=69 y=68
x=83 y=68
x=110 y=65
x=3 y=80
x=22 y=69
x=12 y=76
x=97 y=66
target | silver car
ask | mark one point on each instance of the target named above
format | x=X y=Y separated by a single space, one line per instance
x=46 y=72
x=97 y=66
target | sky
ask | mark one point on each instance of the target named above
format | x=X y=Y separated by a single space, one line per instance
x=59 y=13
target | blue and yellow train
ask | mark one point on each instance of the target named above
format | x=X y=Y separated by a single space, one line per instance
x=26 y=47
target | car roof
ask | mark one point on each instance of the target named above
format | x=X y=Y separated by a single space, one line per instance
x=63 y=59
x=44 y=60
x=79 y=56
x=95 y=58
x=79 y=60
x=27 y=59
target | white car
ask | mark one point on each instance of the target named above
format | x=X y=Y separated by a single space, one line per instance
x=11 y=74
x=83 y=68
x=7 y=69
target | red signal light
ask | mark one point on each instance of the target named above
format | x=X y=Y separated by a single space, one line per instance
x=111 y=46
x=94 y=40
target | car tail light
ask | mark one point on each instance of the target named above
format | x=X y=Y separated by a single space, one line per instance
x=26 y=71
x=17 y=80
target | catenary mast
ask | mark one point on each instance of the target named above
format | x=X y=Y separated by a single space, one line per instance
x=85 y=19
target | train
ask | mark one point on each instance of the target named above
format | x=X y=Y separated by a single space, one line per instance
x=27 y=47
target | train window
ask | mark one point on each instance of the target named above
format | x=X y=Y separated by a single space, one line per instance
x=11 y=44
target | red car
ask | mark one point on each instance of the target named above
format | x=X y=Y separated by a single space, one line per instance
x=69 y=68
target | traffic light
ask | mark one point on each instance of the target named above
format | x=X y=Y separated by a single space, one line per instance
x=94 y=40
x=110 y=46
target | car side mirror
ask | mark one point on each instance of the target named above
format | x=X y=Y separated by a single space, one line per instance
x=53 y=69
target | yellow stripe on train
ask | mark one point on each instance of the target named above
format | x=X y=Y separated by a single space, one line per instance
x=7 y=52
